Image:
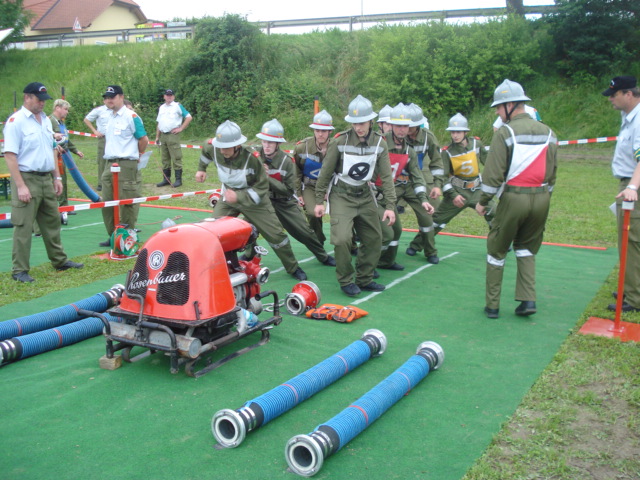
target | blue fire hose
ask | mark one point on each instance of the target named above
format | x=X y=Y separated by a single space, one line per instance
x=99 y=302
x=78 y=178
x=305 y=454
x=230 y=427
x=39 y=342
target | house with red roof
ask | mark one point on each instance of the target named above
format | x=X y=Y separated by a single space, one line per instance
x=58 y=17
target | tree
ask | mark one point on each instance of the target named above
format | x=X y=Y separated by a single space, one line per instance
x=221 y=77
x=516 y=7
x=595 y=36
x=13 y=16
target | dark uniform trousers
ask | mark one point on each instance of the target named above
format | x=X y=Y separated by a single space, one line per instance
x=390 y=239
x=171 y=150
x=101 y=161
x=447 y=210
x=520 y=219
x=43 y=209
x=295 y=224
x=425 y=238
x=309 y=197
x=354 y=207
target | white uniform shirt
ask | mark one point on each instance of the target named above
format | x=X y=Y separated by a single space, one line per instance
x=123 y=131
x=32 y=142
x=170 y=116
x=100 y=115
x=624 y=158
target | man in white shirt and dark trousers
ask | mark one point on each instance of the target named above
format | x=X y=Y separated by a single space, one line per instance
x=172 y=119
x=624 y=95
x=35 y=181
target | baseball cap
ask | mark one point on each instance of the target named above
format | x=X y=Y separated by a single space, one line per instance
x=168 y=91
x=112 y=91
x=624 y=82
x=37 y=89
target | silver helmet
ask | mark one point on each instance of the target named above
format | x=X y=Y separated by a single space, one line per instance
x=400 y=115
x=360 y=110
x=458 y=123
x=228 y=135
x=272 y=131
x=385 y=114
x=417 y=117
x=322 y=121
x=509 y=91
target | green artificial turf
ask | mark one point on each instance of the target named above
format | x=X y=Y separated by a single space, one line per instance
x=64 y=417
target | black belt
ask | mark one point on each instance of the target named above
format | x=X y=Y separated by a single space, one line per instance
x=40 y=174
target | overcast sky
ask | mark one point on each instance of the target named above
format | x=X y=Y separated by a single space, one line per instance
x=256 y=10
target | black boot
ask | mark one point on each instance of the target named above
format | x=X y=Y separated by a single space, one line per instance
x=166 y=178
x=178 y=181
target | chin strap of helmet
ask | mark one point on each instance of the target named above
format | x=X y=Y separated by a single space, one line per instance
x=510 y=112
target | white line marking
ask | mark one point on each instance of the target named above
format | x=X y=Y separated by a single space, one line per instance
x=401 y=279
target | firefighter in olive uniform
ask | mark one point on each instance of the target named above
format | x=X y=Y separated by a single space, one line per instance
x=522 y=160
x=408 y=180
x=354 y=158
x=308 y=155
x=425 y=144
x=462 y=159
x=245 y=189
x=282 y=186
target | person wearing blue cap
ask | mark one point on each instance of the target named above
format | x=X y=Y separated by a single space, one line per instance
x=35 y=181
x=624 y=95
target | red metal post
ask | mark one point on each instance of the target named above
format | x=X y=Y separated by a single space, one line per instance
x=626 y=207
x=115 y=170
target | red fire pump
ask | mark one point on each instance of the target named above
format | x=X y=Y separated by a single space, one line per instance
x=189 y=295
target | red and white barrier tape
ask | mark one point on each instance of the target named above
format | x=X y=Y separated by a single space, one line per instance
x=582 y=141
x=126 y=201
x=587 y=140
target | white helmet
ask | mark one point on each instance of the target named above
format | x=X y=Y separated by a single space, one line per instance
x=417 y=117
x=322 y=121
x=360 y=110
x=509 y=91
x=228 y=135
x=458 y=123
x=272 y=131
x=400 y=115
x=384 y=114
